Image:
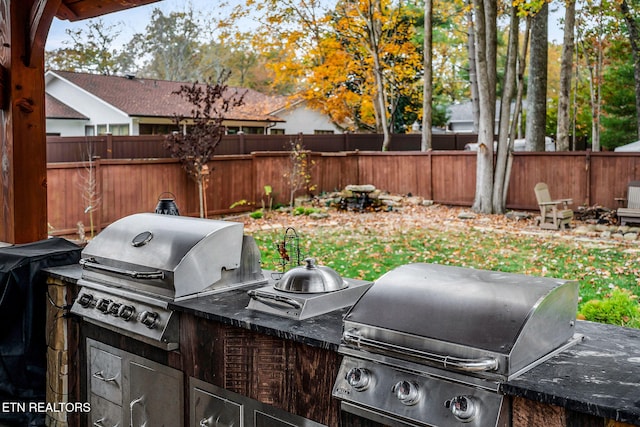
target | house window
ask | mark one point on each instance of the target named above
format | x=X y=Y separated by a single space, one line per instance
x=102 y=129
x=250 y=130
x=323 y=132
x=276 y=131
x=157 y=129
x=232 y=130
x=89 y=131
x=119 y=129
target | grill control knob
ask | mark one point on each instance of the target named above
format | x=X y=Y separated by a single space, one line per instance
x=113 y=308
x=407 y=392
x=359 y=378
x=126 y=312
x=149 y=319
x=463 y=408
x=85 y=300
x=103 y=305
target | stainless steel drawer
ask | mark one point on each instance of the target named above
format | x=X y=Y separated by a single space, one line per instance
x=105 y=413
x=105 y=373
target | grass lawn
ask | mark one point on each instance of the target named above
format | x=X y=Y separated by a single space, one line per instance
x=365 y=246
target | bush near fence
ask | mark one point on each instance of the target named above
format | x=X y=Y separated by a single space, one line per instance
x=447 y=177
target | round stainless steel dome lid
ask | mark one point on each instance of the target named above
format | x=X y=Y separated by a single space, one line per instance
x=311 y=278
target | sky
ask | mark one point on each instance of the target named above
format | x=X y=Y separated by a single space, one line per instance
x=135 y=20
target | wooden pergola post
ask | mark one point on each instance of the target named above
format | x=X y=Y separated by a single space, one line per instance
x=24 y=25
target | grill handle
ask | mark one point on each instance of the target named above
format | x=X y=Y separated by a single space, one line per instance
x=468 y=365
x=269 y=298
x=92 y=263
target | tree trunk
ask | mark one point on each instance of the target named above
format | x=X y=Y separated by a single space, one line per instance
x=427 y=89
x=594 y=90
x=505 y=144
x=634 y=36
x=200 y=182
x=473 y=74
x=485 y=25
x=374 y=32
x=537 y=87
x=566 y=73
x=516 y=125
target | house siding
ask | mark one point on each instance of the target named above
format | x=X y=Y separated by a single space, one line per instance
x=98 y=112
x=66 y=127
x=301 y=119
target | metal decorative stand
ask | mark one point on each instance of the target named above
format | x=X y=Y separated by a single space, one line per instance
x=289 y=252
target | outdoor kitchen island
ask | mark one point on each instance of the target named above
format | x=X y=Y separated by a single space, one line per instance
x=292 y=365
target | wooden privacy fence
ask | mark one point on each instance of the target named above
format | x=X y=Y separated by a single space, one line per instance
x=77 y=149
x=124 y=187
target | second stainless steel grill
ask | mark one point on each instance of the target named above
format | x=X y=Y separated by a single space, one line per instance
x=428 y=345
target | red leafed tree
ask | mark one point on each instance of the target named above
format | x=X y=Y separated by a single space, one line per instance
x=203 y=128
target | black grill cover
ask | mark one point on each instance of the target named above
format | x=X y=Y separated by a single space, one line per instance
x=23 y=299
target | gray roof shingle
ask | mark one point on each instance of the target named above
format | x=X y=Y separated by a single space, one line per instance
x=156 y=98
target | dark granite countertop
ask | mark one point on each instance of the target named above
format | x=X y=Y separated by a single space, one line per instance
x=599 y=376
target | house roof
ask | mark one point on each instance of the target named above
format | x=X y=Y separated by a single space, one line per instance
x=55 y=109
x=143 y=97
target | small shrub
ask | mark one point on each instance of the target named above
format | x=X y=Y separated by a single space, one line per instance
x=620 y=307
x=302 y=210
x=256 y=214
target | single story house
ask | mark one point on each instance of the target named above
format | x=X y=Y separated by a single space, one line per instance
x=83 y=104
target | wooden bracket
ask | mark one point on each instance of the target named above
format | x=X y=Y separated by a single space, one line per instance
x=40 y=18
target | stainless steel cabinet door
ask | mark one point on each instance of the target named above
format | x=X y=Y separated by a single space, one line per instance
x=209 y=410
x=155 y=395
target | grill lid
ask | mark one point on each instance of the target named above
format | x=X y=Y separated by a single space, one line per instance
x=493 y=320
x=172 y=256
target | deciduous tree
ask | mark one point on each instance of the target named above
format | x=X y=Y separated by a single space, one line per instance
x=537 y=84
x=91 y=49
x=485 y=14
x=195 y=148
x=566 y=75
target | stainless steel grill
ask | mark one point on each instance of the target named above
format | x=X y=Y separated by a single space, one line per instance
x=139 y=264
x=429 y=345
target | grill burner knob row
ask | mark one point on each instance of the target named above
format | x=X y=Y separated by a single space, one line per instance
x=407 y=392
x=463 y=408
x=149 y=319
x=359 y=378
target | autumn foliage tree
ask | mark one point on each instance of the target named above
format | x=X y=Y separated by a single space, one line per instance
x=375 y=40
x=196 y=146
